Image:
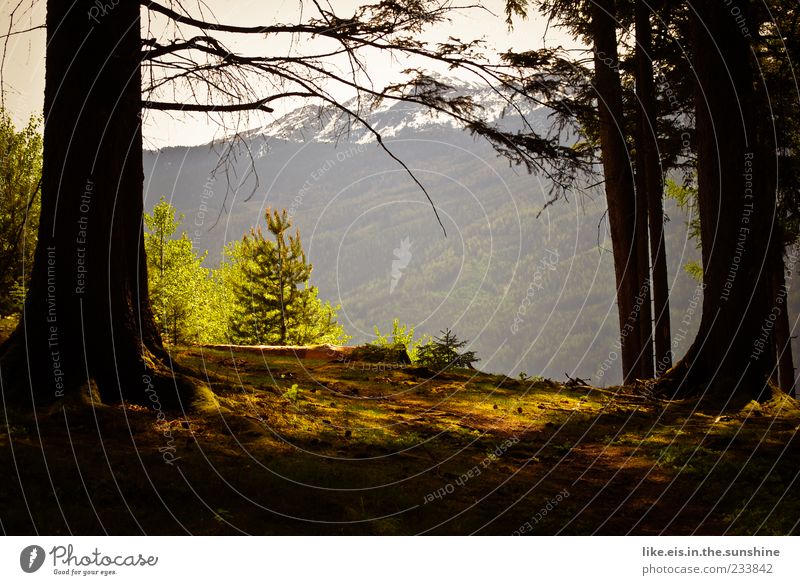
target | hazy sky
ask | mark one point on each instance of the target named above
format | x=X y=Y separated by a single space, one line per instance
x=23 y=73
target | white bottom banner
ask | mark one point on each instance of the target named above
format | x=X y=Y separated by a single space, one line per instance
x=399 y=560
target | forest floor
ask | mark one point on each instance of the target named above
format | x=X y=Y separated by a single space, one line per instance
x=318 y=447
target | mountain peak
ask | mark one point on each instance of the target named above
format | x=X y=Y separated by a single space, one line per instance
x=391 y=118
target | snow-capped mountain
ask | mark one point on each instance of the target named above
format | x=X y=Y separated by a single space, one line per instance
x=394 y=118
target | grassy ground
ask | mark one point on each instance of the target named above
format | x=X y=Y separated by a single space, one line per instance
x=312 y=447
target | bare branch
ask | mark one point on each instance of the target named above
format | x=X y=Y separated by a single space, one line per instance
x=259 y=105
x=22 y=31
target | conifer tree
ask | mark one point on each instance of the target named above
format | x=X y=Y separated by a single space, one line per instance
x=275 y=302
x=443 y=353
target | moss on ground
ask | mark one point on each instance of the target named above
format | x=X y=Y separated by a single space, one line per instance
x=312 y=447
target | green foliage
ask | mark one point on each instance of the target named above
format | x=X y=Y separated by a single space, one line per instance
x=524 y=377
x=686 y=197
x=292 y=394
x=273 y=300
x=401 y=337
x=182 y=292
x=441 y=353
x=20 y=175
x=694 y=269
x=315 y=321
x=381 y=354
x=689 y=458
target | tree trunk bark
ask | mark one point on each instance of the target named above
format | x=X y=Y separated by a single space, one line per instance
x=87 y=316
x=736 y=198
x=646 y=367
x=652 y=182
x=620 y=194
x=782 y=332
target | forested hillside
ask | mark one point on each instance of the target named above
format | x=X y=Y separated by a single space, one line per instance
x=530 y=285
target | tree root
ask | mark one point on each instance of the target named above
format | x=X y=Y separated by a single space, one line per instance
x=685 y=380
x=151 y=380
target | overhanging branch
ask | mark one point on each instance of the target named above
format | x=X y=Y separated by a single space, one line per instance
x=201 y=24
x=166 y=106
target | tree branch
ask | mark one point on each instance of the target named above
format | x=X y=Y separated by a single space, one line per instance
x=201 y=24
x=164 y=106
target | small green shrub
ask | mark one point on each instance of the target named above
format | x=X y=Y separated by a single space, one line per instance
x=524 y=377
x=389 y=354
x=443 y=353
x=401 y=338
x=292 y=394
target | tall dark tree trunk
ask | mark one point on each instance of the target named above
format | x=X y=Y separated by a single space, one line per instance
x=87 y=315
x=649 y=165
x=736 y=197
x=782 y=331
x=620 y=194
x=646 y=366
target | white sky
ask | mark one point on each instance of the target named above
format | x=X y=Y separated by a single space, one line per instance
x=23 y=73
